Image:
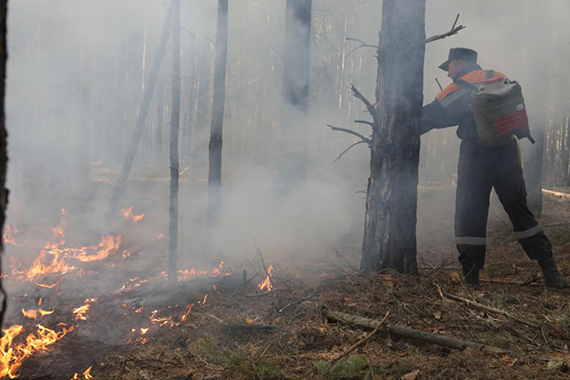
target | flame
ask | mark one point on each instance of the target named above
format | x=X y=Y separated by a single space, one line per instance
x=187 y=312
x=81 y=311
x=47 y=286
x=12 y=356
x=267 y=284
x=40 y=267
x=9 y=235
x=128 y=214
x=109 y=244
x=59 y=230
x=87 y=374
x=35 y=313
x=203 y=301
x=144 y=331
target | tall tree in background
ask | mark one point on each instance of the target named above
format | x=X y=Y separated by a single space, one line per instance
x=141 y=121
x=391 y=202
x=216 y=129
x=3 y=136
x=538 y=78
x=174 y=161
x=293 y=158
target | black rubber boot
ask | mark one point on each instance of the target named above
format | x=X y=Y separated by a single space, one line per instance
x=471 y=276
x=552 y=277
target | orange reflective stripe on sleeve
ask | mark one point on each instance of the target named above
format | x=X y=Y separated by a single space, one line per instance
x=477 y=76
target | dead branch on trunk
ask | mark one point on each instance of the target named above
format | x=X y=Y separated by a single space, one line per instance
x=410 y=333
x=490 y=309
x=357 y=94
x=362 y=45
x=349 y=148
x=361 y=342
x=454 y=30
x=351 y=132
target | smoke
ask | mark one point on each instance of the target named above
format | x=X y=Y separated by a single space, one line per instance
x=77 y=72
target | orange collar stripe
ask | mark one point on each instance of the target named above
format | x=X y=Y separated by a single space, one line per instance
x=477 y=76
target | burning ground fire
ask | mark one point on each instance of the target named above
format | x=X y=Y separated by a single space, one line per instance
x=56 y=262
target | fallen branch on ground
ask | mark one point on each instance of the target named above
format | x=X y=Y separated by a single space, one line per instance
x=361 y=342
x=410 y=333
x=489 y=309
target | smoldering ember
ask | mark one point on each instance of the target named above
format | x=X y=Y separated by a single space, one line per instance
x=285 y=189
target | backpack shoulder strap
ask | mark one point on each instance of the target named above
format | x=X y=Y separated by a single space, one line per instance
x=465 y=84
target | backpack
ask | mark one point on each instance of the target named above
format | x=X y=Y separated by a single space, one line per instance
x=499 y=110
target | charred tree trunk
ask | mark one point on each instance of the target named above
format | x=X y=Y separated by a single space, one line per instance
x=215 y=147
x=139 y=129
x=3 y=137
x=391 y=204
x=294 y=124
x=174 y=162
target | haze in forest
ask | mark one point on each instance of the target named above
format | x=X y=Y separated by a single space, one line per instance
x=77 y=71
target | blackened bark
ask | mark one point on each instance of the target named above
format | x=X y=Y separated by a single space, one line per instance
x=3 y=137
x=139 y=129
x=391 y=204
x=294 y=132
x=215 y=147
x=174 y=161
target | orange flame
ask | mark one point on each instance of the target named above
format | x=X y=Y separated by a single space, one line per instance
x=128 y=214
x=9 y=235
x=81 y=311
x=267 y=284
x=40 y=267
x=12 y=356
x=59 y=230
x=109 y=244
x=35 y=313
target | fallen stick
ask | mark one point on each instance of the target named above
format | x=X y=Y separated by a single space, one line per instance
x=410 y=333
x=361 y=342
x=490 y=309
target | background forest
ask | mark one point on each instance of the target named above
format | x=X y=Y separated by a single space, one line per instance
x=76 y=77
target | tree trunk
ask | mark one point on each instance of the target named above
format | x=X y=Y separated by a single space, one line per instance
x=294 y=124
x=215 y=147
x=174 y=162
x=139 y=129
x=160 y=121
x=391 y=204
x=537 y=49
x=3 y=137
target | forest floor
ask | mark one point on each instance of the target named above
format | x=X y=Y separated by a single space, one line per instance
x=241 y=332
x=294 y=341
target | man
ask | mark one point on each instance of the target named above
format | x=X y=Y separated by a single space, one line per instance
x=482 y=168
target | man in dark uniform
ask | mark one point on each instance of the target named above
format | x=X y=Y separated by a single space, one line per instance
x=482 y=168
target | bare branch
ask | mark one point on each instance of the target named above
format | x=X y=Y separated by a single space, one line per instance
x=454 y=30
x=365 y=122
x=350 y=147
x=363 y=44
x=349 y=131
x=357 y=94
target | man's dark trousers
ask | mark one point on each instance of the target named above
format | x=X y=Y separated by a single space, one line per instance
x=481 y=169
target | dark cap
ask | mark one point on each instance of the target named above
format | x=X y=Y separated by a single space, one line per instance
x=459 y=54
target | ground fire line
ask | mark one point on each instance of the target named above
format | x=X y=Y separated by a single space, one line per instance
x=45 y=299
